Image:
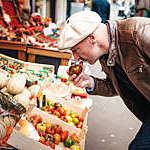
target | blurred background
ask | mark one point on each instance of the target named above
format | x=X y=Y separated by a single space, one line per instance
x=111 y=126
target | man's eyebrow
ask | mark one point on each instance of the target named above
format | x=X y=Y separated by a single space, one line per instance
x=74 y=49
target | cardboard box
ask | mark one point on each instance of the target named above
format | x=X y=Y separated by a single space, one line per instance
x=24 y=143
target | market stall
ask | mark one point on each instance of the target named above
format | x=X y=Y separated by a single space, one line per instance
x=40 y=109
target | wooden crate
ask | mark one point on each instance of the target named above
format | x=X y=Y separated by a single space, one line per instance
x=22 y=142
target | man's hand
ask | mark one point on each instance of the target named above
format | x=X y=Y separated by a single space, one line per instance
x=82 y=80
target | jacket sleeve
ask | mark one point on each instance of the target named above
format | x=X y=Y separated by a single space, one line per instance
x=142 y=78
x=103 y=87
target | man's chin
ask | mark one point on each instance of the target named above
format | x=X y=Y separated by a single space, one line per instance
x=91 y=62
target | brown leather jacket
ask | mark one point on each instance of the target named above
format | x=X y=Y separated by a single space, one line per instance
x=130 y=47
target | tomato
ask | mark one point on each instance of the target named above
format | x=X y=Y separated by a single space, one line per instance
x=63 y=113
x=47 y=143
x=63 y=80
x=52 y=146
x=42 y=139
x=56 y=113
x=58 y=130
x=74 y=138
x=57 y=138
x=80 y=119
x=48 y=130
x=75 y=121
x=64 y=135
x=62 y=117
x=80 y=125
x=59 y=109
x=36 y=119
x=52 y=109
x=47 y=107
x=52 y=132
x=75 y=69
x=41 y=126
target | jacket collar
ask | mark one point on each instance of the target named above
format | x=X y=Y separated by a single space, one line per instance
x=112 y=27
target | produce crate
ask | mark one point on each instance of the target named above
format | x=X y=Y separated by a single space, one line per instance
x=22 y=142
x=10 y=64
x=27 y=65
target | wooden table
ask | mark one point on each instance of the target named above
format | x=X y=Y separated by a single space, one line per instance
x=63 y=56
x=20 y=47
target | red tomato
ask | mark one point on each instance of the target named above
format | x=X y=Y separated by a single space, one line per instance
x=58 y=130
x=80 y=119
x=52 y=132
x=47 y=107
x=48 y=130
x=52 y=109
x=64 y=135
x=47 y=143
x=52 y=146
x=80 y=125
x=62 y=117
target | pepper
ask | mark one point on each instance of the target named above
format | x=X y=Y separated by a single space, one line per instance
x=68 y=142
x=80 y=125
x=74 y=147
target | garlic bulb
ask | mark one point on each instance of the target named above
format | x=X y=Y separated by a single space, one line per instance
x=16 y=84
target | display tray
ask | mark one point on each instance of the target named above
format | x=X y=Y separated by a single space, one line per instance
x=23 y=142
x=35 y=73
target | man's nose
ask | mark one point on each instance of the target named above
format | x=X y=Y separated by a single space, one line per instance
x=76 y=57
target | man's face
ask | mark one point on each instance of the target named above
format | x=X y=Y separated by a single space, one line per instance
x=87 y=50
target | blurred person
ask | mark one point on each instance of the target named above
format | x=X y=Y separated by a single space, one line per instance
x=123 y=50
x=102 y=7
x=69 y=8
x=114 y=10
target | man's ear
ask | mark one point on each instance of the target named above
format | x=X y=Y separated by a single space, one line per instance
x=92 y=39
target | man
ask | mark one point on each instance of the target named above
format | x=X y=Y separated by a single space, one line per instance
x=123 y=49
x=102 y=7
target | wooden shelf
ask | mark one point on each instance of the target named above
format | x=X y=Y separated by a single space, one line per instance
x=15 y=46
x=64 y=56
x=28 y=53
